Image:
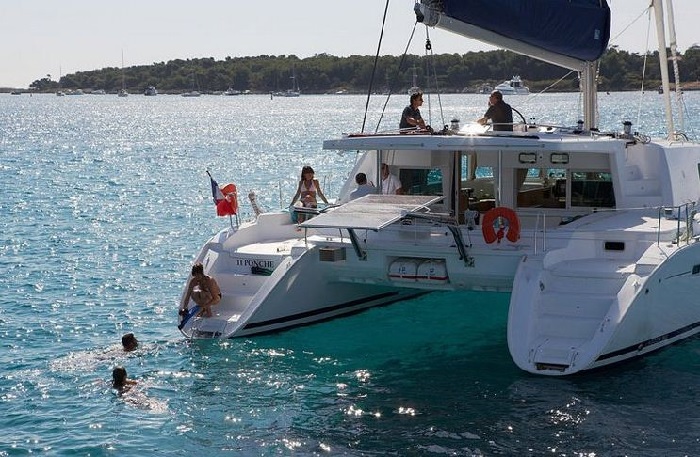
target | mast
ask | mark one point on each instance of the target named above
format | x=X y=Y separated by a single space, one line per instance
x=663 y=64
x=123 y=80
x=589 y=89
x=674 y=59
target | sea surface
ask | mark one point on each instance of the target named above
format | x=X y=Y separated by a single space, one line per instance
x=105 y=202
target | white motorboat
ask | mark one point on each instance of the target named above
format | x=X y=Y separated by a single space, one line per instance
x=513 y=86
x=595 y=235
x=150 y=91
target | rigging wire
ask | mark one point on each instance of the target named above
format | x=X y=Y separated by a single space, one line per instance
x=398 y=72
x=644 y=11
x=374 y=70
x=431 y=64
x=644 y=66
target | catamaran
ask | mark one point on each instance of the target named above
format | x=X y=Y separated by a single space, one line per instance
x=594 y=235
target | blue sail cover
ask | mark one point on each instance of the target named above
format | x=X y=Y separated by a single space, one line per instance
x=576 y=28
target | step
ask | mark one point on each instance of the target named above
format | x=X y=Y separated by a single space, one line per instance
x=585 y=305
x=558 y=326
x=551 y=353
x=609 y=286
x=239 y=284
x=593 y=268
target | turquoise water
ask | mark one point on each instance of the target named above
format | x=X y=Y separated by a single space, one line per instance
x=105 y=202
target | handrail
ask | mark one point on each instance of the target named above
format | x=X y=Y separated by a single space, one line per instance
x=684 y=214
x=684 y=232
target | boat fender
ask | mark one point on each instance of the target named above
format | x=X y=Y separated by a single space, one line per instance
x=510 y=228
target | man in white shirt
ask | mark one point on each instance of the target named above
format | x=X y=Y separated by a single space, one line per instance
x=390 y=183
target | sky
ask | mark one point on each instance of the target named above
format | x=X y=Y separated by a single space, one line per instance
x=40 y=37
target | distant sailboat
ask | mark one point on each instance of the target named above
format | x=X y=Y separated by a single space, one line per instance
x=59 y=93
x=123 y=92
x=193 y=92
x=414 y=88
x=294 y=91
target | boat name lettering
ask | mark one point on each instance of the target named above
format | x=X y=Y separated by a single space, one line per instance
x=255 y=263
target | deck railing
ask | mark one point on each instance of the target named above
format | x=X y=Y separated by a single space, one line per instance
x=684 y=215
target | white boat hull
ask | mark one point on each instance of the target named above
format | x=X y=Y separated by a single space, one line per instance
x=597 y=244
x=580 y=309
x=319 y=277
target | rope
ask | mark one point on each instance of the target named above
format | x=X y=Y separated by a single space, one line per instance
x=374 y=69
x=431 y=63
x=644 y=11
x=644 y=67
x=398 y=72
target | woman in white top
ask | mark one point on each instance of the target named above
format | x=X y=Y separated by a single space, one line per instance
x=308 y=191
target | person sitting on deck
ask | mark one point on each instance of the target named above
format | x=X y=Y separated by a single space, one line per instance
x=204 y=290
x=307 y=192
x=363 y=187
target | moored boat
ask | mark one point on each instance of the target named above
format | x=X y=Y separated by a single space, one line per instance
x=513 y=86
x=592 y=233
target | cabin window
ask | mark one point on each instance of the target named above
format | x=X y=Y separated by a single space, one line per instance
x=559 y=158
x=541 y=187
x=477 y=191
x=592 y=189
x=527 y=157
x=421 y=181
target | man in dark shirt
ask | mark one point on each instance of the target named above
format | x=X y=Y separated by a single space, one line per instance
x=500 y=113
x=411 y=118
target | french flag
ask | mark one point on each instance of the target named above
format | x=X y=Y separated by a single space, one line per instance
x=225 y=199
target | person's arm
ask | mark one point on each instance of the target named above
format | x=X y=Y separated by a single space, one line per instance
x=188 y=295
x=488 y=115
x=320 y=192
x=415 y=122
x=399 y=188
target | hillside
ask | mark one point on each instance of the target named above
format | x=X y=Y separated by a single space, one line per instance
x=323 y=73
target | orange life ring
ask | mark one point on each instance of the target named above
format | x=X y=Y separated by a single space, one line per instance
x=491 y=234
